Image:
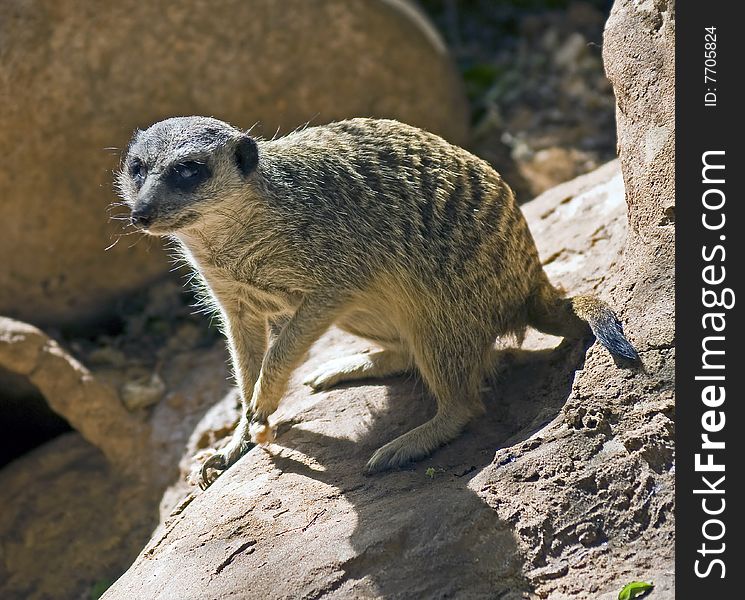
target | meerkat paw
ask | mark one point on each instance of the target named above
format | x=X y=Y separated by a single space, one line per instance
x=324 y=378
x=358 y=366
x=395 y=454
x=218 y=462
x=419 y=442
x=211 y=470
x=262 y=433
x=338 y=370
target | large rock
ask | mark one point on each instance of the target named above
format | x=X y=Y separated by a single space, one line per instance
x=90 y=406
x=78 y=77
x=300 y=520
x=69 y=522
x=639 y=55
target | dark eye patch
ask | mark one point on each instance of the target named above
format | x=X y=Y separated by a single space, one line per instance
x=187 y=175
x=138 y=171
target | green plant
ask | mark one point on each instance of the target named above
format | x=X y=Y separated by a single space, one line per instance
x=635 y=589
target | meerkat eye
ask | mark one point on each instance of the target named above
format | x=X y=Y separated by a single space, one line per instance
x=187 y=170
x=138 y=171
x=188 y=175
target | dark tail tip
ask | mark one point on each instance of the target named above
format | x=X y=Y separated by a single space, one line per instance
x=609 y=332
x=605 y=325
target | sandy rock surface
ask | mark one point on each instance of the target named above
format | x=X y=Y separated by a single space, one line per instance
x=77 y=78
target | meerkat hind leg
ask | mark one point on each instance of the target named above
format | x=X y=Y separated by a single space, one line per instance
x=453 y=376
x=384 y=363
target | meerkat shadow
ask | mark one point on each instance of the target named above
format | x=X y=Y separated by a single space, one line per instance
x=524 y=393
x=403 y=512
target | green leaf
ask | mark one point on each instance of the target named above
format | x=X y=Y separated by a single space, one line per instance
x=635 y=589
x=430 y=472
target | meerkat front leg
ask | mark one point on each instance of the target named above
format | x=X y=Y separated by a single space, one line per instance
x=247 y=340
x=312 y=318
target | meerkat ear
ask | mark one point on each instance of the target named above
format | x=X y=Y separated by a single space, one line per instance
x=246 y=155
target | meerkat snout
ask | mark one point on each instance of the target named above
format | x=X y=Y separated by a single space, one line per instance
x=142 y=216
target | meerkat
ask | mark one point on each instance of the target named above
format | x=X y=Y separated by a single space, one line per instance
x=383 y=229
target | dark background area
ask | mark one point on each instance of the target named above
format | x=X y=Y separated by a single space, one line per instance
x=542 y=109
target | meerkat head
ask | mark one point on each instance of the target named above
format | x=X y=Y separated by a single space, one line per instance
x=177 y=171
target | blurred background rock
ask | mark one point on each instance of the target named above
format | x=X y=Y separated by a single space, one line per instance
x=542 y=110
x=78 y=78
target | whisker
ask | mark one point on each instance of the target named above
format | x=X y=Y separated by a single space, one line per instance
x=110 y=246
x=137 y=241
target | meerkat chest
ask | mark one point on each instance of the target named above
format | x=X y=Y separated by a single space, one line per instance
x=238 y=288
x=257 y=296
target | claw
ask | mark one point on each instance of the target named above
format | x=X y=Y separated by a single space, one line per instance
x=217 y=463
x=330 y=376
x=394 y=455
x=318 y=383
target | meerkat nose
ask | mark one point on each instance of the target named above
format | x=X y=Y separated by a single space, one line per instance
x=141 y=217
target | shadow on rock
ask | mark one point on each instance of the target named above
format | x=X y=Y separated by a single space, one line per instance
x=424 y=531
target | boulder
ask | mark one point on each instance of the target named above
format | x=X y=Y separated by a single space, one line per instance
x=639 y=56
x=77 y=78
x=69 y=522
x=87 y=404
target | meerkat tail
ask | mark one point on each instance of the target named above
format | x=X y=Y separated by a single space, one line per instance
x=550 y=312
x=604 y=324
